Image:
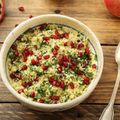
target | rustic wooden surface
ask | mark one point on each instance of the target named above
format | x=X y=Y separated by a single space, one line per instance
x=107 y=28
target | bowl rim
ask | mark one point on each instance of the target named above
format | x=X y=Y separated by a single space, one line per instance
x=71 y=103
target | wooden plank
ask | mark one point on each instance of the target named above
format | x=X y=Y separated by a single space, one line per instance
x=105 y=26
x=81 y=112
x=103 y=90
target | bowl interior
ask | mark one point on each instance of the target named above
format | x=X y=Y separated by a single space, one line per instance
x=51 y=19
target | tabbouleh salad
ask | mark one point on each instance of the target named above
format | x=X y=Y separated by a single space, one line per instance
x=51 y=63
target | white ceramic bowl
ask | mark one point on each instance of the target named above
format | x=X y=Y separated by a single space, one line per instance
x=50 y=18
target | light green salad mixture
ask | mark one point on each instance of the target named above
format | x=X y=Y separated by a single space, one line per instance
x=51 y=63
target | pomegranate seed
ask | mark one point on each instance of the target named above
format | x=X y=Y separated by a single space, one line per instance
x=62 y=85
x=21 y=8
x=86 y=80
x=65 y=44
x=56 y=47
x=51 y=80
x=80 y=54
x=54 y=82
x=80 y=72
x=32 y=94
x=57 y=33
x=16 y=53
x=29 y=83
x=74 y=63
x=65 y=64
x=44 y=67
x=57 y=84
x=59 y=69
x=14 y=47
x=55 y=37
x=71 y=84
x=24 y=67
x=30 y=16
x=94 y=66
x=24 y=59
x=25 y=52
x=55 y=53
x=54 y=97
x=46 y=57
x=19 y=76
x=30 y=52
x=72 y=44
x=69 y=59
x=60 y=58
x=33 y=61
x=12 y=76
x=43 y=26
x=46 y=39
x=39 y=57
x=66 y=35
x=36 y=78
x=37 y=62
x=72 y=67
x=65 y=58
x=41 y=100
x=87 y=51
x=80 y=45
x=24 y=84
x=20 y=91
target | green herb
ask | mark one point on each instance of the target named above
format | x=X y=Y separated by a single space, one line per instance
x=39 y=73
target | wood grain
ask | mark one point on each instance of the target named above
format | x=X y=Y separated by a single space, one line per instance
x=81 y=112
x=103 y=90
x=105 y=26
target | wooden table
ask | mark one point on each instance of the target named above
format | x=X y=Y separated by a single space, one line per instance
x=107 y=28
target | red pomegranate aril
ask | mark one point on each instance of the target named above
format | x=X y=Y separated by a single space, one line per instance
x=12 y=75
x=80 y=72
x=87 y=51
x=21 y=8
x=33 y=61
x=65 y=64
x=46 y=57
x=54 y=82
x=80 y=45
x=72 y=44
x=62 y=85
x=30 y=52
x=14 y=47
x=50 y=80
x=25 y=53
x=24 y=59
x=57 y=84
x=43 y=26
x=94 y=66
x=44 y=67
x=24 y=67
x=55 y=53
x=41 y=100
x=32 y=94
x=54 y=97
x=24 y=84
x=59 y=69
x=55 y=37
x=39 y=57
x=66 y=35
x=20 y=91
x=80 y=54
x=46 y=39
x=71 y=84
x=29 y=83
x=65 y=58
x=16 y=53
x=86 y=80
x=19 y=76
x=57 y=33
x=30 y=16
x=61 y=58
x=66 y=43
x=69 y=59
x=56 y=47
x=72 y=67
x=37 y=62
x=74 y=63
